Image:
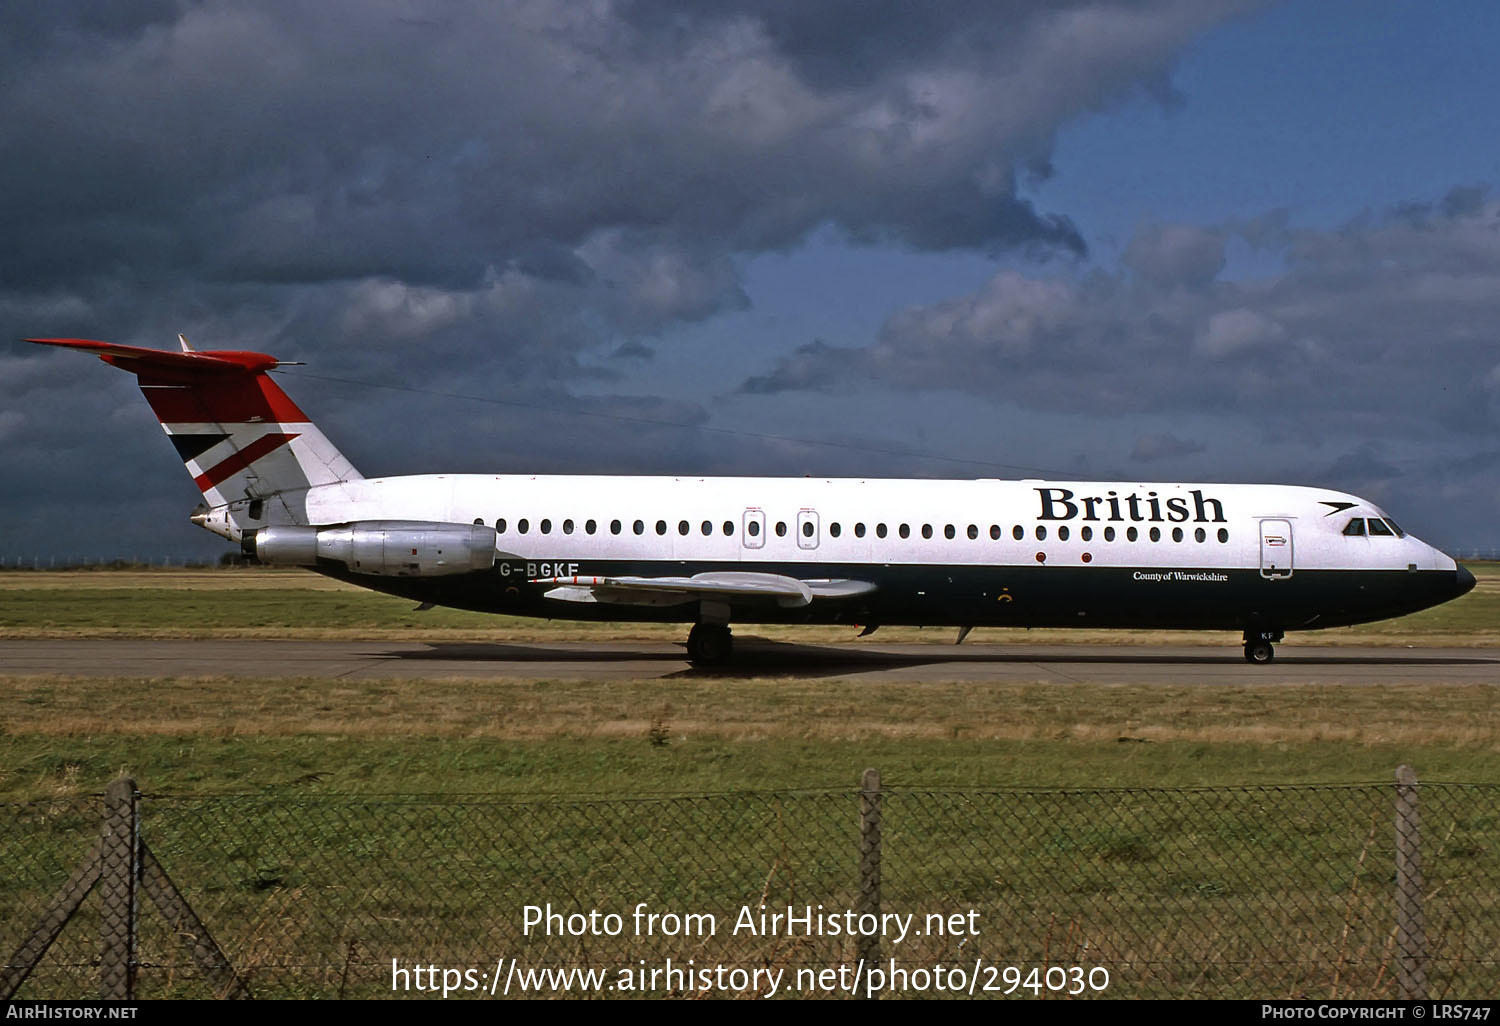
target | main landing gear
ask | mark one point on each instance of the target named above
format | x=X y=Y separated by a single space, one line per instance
x=710 y=644
x=1259 y=646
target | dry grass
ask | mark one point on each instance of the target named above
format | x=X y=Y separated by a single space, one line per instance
x=236 y=579
x=750 y=710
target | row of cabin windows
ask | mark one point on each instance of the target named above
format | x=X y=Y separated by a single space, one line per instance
x=835 y=530
x=544 y=526
x=1385 y=528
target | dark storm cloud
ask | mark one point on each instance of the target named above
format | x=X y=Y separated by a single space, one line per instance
x=1163 y=446
x=1386 y=320
x=1379 y=342
x=497 y=195
x=1171 y=254
x=816 y=366
x=634 y=350
x=516 y=185
x=1365 y=463
x=435 y=143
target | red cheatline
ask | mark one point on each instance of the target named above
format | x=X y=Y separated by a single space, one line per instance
x=240 y=460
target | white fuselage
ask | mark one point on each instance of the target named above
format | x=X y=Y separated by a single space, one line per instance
x=883 y=521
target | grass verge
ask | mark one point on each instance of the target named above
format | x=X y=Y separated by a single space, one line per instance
x=71 y=735
x=270 y=603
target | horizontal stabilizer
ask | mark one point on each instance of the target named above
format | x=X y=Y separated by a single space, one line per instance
x=725 y=585
x=151 y=362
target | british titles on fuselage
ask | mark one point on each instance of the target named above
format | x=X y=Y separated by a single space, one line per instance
x=1112 y=507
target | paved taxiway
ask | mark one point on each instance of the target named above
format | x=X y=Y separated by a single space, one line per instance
x=1062 y=664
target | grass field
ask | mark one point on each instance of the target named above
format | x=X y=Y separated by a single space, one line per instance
x=62 y=735
x=311 y=877
x=526 y=737
x=272 y=603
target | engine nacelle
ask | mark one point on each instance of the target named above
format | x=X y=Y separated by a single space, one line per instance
x=383 y=548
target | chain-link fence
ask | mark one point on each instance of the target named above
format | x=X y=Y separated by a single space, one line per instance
x=1361 y=891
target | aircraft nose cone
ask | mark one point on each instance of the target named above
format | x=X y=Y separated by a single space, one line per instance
x=1465 y=581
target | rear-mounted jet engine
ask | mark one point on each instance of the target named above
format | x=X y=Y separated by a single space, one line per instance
x=381 y=548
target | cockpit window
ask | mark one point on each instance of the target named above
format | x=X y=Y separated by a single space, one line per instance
x=1355 y=528
x=1377 y=526
x=1394 y=527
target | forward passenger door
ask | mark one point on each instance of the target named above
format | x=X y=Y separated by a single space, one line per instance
x=1275 y=549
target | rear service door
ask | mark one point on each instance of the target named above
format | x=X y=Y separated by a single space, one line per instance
x=1275 y=549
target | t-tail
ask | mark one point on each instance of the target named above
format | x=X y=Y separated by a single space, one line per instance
x=249 y=449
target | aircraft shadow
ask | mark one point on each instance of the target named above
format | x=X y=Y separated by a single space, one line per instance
x=754 y=657
x=479 y=651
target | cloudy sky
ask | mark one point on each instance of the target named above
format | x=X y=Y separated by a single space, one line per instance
x=1209 y=240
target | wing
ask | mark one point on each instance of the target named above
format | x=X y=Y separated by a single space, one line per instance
x=726 y=585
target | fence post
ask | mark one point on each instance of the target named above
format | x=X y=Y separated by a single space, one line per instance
x=869 y=864
x=1411 y=934
x=119 y=868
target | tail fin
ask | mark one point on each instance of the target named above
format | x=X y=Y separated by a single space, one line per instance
x=251 y=452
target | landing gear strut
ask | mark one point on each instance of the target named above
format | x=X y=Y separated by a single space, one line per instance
x=709 y=644
x=1258 y=646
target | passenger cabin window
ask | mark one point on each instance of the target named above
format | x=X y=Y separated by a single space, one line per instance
x=1377 y=526
x=1355 y=528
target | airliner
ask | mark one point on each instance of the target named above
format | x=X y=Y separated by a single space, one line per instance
x=706 y=551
